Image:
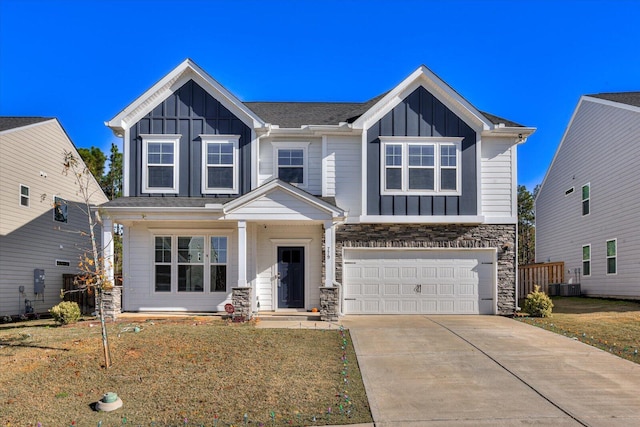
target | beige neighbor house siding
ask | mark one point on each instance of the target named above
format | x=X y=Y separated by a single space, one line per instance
x=29 y=237
x=601 y=147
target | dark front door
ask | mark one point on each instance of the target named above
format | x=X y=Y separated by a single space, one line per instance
x=290 y=277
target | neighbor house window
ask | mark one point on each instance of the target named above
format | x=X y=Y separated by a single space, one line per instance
x=220 y=164
x=586 y=260
x=160 y=168
x=60 y=212
x=162 y=264
x=291 y=162
x=24 y=196
x=586 y=197
x=190 y=264
x=420 y=165
x=218 y=264
x=612 y=256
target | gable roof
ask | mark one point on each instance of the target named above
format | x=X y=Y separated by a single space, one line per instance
x=629 y=98
x=13 y=122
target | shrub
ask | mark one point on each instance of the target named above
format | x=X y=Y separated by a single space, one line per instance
x=66 y=312
x=538 y=304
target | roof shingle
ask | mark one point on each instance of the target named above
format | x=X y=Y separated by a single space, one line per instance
x=12 y=122
x=629 y=98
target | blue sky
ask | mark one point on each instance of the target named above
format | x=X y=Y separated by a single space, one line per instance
x=527 y=61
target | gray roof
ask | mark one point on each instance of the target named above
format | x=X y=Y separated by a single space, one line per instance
x=177 y=202
x=297 y=114
x=629 y=98
x=7 y=122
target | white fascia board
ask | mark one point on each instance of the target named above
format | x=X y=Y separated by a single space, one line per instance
x=170 y=83
x=162 y=214
x=520 y=134
x=272 y=185
x=507 y=220
x=423 y=219
x=437 y=87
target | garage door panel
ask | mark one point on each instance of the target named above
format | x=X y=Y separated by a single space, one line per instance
x=417 y=281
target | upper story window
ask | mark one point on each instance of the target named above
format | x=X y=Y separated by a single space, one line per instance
x=420 y=165
x=24 y=196
x=160 y=163
x=220 y=164
x=291 y=162
x=586 y=197
x=60 y=212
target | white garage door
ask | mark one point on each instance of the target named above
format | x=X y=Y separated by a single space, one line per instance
x=419 y=281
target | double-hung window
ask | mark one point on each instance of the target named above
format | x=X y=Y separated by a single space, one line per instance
x=24 y=196
x=220 y=164
x=420 y=165
x=612 y=256
x=60 y=209
x=586 y=260
x=291 y=162
x=160 y=163
x=586 y=198
x=162 y=264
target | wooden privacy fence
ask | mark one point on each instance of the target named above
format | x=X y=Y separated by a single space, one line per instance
x=85 y=301
x=539 y=274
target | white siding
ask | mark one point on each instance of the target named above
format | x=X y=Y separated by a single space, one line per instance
x=266 y=167
x=601 y=147
x=28 y=239
x=278 y=205
x=267 y=257
x=347 y=177
x=497 y=178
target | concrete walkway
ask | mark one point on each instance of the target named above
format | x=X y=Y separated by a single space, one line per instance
x=488 y=370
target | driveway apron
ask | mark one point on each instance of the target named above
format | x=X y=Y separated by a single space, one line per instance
x=488 y=370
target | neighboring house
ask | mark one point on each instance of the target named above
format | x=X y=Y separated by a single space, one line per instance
x=402 y=204
x=39 y=216
x=587 y=209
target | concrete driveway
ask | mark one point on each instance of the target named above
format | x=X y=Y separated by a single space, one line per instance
x=488 y=370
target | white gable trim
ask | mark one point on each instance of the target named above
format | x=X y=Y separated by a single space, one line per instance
x=276 y=184
x=436 y=86
x=187 y=70
x=620 y=105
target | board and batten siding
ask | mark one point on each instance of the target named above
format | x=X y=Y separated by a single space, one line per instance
x=344 y=173
x=267 y=167
x=601 y=148
x=190 y=111
x=29 y=237
x=138 y=271
x=422 y=114
x=497 y=172
x=267 y=259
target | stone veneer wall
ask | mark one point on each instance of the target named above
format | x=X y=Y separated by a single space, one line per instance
x=112 y=302
x=329 y=304
x=439 y=236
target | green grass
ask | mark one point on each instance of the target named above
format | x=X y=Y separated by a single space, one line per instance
x=612 y=325
x=193 y=371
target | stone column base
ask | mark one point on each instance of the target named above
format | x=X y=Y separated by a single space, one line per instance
x=329 y=304
x=241 y=300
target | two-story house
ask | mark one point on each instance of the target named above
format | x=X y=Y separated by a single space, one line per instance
x=402 y=204
x=587 y=209
x=41 y=214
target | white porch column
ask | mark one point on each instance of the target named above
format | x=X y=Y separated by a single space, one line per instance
x=242 y=254
x=329 y=259
x=107 y=249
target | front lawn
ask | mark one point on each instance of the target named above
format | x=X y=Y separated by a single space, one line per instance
x=611 y=325
x=192 y=371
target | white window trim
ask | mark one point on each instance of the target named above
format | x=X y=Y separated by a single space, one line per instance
x=405 y=142
x=607 y=257
x=174 y=234
x=20 y=196
x=150 y=138
x=233 y=139
x=285 y=145
x=582 y=199
x=582 y=260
